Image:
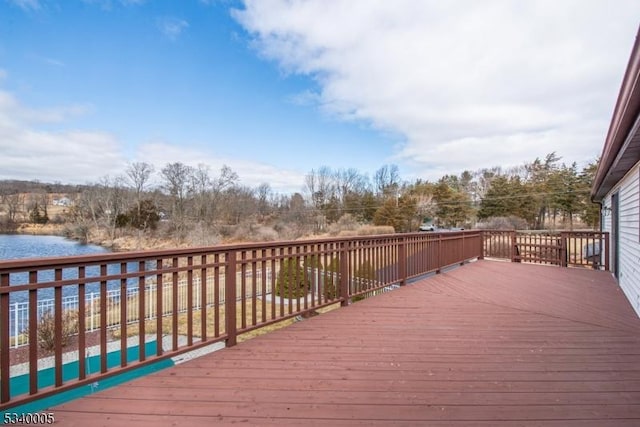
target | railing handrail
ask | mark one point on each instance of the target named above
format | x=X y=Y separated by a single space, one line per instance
x=148 y=255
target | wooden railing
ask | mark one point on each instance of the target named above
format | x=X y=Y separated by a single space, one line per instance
x=566 y=249
x=230 y=290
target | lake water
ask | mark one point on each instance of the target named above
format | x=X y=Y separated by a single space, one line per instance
x=27 y=246
x=16 y=246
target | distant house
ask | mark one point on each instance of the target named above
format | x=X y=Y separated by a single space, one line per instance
x=64 y=201
x=617 y=183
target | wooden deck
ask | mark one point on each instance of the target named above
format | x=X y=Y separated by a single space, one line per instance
x=487 y=344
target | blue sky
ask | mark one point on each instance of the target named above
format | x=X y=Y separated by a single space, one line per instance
x=276 y=88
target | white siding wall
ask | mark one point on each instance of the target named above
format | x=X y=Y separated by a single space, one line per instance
x=629 y=228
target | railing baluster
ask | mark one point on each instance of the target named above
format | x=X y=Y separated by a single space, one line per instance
x=159 y=306
x=281 y=284
x=58 y=328
x=243 y=289
x=254 y=289
x=216 y=295
x=82 y=324
x=5 y=361
x=203 y=298
x=123 y=315
x=103 y=319
x=190 y=301
x=142 y=312
x=33 y=334
x=305 y=277
x=273 y=282
x=174 y=309
x=297 y=279
x=263 y=271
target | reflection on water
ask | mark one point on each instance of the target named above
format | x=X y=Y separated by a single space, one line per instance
x=26 y=246
x=15 y=246
x=23 y=247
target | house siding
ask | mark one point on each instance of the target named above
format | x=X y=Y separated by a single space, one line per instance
x=629 y=229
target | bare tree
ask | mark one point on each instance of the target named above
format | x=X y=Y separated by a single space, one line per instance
x=321 y=185
x=139 y=174
x=387 y=181
x=13 y=204
x=176 y=177
x=227 y=180
x=263 y=193
x=111 y=197
x=200 y=187
x=483 y=179
x=239 y=203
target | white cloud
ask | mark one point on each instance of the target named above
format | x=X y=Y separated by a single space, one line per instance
x=172 y=27
x=32 y=151
x=29 y=152
x=467 y=84
x=27 y=5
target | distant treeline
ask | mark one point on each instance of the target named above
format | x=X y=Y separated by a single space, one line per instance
x=198 y=205
x=10 y=186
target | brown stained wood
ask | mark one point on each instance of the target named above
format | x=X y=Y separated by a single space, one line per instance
x=486 y=344
x=109 y=419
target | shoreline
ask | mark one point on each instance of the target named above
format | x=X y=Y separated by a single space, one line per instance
x=119 y=244
x=38 y=229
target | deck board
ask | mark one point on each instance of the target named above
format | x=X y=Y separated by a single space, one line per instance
x=486 y=344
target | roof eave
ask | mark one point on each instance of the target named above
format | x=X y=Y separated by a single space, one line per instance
x=623 y=120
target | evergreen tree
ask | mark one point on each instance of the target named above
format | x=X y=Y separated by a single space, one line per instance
x=508 y=197
x=388 y=214
x=589 y=212
x=540 y=173
x=498 y=201
x=144 y=216
x=38 y=215
x=331 y=282
x=454 y=206
x=292 y=279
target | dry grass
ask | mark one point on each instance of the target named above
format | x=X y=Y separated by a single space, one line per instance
x=183 y=324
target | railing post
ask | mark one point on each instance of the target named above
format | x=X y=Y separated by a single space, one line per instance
x=402 y=260
x=344 y=273
x=513 y=248
x=564 y=253
x=230 y=298
x=606 y=252
x=481 y=252
x=439 y=264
